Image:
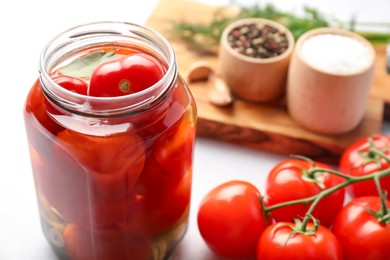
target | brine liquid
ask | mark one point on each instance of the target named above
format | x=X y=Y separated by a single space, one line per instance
x=115 y=187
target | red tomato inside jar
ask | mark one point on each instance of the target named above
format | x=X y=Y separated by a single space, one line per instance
x=111 y=130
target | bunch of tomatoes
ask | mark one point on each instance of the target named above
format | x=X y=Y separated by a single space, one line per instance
x=304 y=214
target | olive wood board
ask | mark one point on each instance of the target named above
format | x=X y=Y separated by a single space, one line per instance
x=261 y=126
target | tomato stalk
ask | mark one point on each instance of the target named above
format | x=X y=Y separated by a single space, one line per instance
x=311 y=174
x=309 y=212
x=350 y=180
x=301 y=227
x=383 y=215
x=374 y=153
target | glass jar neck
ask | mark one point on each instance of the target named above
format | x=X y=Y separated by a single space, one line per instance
x=106 y=34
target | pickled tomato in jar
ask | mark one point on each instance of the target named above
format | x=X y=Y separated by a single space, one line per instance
x=111 y=131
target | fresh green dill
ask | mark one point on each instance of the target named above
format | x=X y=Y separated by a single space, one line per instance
x=205 y=36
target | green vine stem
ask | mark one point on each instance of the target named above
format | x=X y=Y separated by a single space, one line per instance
x=378 y=152
x=383 y=215
x=384 y=209
x=308 y=214
x=301 y=227
x=350 y=180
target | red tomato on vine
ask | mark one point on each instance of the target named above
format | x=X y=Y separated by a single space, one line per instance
x=358 y=161
x=280 y=242
x=290 y=180
x=363 y=229
x=231 y=220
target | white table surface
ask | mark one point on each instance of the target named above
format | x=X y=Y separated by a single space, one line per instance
x=25 y=27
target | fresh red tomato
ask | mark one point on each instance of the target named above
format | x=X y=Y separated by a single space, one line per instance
x=279 y=243
x=361 y=235
x=286 y=182
x=356 y=161
x=126 y=75
x=103 y=244
x=73 y=84
x=231 y=220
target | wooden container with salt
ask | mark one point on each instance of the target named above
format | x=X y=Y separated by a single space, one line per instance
x=329 y=80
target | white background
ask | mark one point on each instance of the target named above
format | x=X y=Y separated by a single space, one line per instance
x=25 y=28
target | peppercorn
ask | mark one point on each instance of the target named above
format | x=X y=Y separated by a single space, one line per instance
x=258 y=40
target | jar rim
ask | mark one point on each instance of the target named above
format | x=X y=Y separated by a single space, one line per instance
x=85 y=34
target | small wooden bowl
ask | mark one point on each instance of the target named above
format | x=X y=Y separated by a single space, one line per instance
x=254 y=79
x=323 y=101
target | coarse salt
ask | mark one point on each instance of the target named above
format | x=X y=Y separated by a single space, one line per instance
x=336 y=53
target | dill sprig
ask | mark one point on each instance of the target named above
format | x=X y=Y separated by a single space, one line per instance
x=205 y=37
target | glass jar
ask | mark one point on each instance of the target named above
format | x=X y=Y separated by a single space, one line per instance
x=112 y=174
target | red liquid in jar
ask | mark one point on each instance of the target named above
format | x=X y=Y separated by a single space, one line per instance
x=115 y=187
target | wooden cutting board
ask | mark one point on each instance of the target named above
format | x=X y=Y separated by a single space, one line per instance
x=261 y=126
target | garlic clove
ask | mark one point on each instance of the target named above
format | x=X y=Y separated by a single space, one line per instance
x=219 y=94
x=199 y=71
